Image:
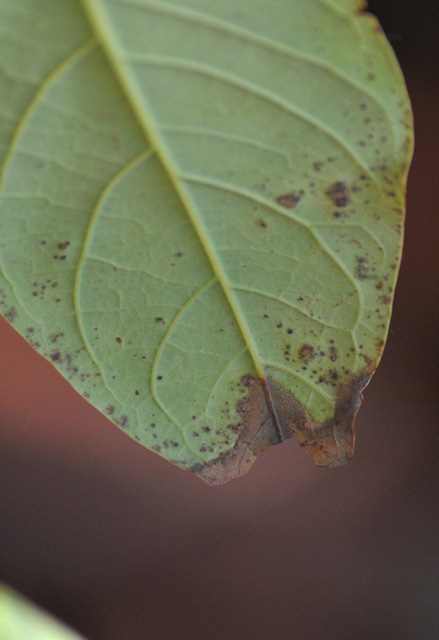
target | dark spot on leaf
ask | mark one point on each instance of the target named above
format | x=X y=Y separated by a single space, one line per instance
x=56 y=356
x=363 y=270
x=11 y=314
x=137 y=392
x=109 y=410
x=262 y=224
x=159 y=378
x=160 y=320
x=306 y=352
x=290 y=200
x=63 y=245
x=119 y=339
x=290 y=331
x=339 y=194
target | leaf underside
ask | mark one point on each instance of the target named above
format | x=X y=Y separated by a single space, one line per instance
x=201 y=214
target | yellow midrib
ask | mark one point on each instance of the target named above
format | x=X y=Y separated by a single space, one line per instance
x=107 y=38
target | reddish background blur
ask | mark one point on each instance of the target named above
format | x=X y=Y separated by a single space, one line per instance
x=123 y=545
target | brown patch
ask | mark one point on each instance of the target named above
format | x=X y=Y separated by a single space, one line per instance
x=63 y=245
x=290 y=200
x=339 y=194
x=270 y=414
x=306 y=352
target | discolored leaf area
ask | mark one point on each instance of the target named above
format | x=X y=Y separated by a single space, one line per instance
x=201 y=214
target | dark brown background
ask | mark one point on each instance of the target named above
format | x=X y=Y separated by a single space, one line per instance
x=122 y=545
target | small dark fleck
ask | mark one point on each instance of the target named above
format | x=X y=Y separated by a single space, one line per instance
x=159 y=378
x=137 y=392
x=118 y=339
x=63 y=245
x=160 y=320
x=290 y=331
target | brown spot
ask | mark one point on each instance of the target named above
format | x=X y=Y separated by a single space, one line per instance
x=270 y=414
x=363 y=271
x=118 y=339
x=290 y=200
x=262 y=224
x=109 y=410
x=339 y=194
x=306 y=352
x=63 y=245
x=11 y=314
x=160 y=320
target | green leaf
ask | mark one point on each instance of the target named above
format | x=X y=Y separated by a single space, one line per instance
x=22 y=620
x=201 y=214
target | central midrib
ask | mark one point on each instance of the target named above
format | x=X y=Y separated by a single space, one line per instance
x=107 y=38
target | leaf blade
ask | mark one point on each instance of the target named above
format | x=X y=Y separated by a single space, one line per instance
x=281 y=206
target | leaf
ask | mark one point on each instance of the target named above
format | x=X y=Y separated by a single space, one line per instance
x=201 y=214
x=22 y=620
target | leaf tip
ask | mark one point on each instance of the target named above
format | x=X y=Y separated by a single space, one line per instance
x=270 y=414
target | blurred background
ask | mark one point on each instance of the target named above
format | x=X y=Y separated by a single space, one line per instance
x=122 y=545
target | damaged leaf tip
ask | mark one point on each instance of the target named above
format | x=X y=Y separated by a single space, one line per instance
x=270 y=415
